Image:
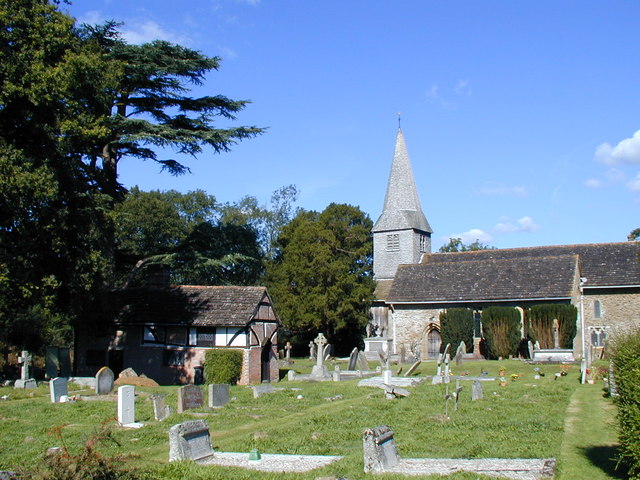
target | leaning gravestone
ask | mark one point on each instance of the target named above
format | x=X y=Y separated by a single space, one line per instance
x=58 y=388
x=104 y=381
x=363 y=363
x=218 y=395
x=380 y=451
x=189 y=396
x=353 y=359
x=413 y=368
x=127 y=406
x=327 y=351
x=190 y=441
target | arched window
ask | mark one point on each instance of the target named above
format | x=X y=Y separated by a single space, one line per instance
x=597 y=309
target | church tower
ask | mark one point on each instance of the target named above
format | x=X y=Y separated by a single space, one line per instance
x=401 y=234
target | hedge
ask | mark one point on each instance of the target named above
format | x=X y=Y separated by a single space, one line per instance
x=501 y=327
x=223 y=366
x=626 y=367
x=540 y=324
x=456 y=325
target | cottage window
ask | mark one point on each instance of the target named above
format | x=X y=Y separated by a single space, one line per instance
x=206 y=337
x=232 y=337
x=393 y=242
x=173 y=358
x=153 y=334
x=176 y=336
x=597 y=309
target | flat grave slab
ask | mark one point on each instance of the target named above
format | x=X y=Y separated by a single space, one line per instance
x=270 y=462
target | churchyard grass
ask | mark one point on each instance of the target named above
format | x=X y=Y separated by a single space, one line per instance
x=526 y=418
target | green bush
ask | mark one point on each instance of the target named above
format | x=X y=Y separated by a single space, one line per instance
x=501 y=328
x=540 y=324
x=456 y=325
x=223 y=366
x=626 y=367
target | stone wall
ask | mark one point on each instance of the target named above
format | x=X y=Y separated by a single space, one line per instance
x=410 y=326
x=619 y=310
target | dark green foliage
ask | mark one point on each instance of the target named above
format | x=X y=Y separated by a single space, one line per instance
x=223 y=365
x=626 y=363
x=321 y=278
x=501 y=328
x=539 y=321
x=456 y=245
x=456 y=325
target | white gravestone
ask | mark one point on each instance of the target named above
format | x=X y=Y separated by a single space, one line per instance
x=25 y=381
x=58 y=389
x=127 y=406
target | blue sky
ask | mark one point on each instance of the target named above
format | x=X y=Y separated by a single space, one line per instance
x=522 y=119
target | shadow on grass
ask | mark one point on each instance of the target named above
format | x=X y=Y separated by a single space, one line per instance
x=604 y=457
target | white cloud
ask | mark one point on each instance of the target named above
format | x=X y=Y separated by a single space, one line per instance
x=499 y=189
x=462 y=87
x=147 y=31
x=625 y=152
x=433 y=92
x=472 y=235
x=524 y=224
x=593 y=183
x=634 y=185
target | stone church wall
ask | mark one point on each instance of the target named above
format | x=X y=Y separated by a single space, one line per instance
x=411 y=325
x=619 y=310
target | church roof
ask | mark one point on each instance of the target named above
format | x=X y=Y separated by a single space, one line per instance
x=402 y=210
x=190 y=305
x=602 y=264
x=488 y=279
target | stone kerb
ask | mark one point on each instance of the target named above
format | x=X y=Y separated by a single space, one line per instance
x=190 y=441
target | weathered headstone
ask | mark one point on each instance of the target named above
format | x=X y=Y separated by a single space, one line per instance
x=457 y=392
x=190 y=441
x=218 y=395
x=24 y=381
x=327 y=352
x=413 y=368
x=259 y=390
x=446 y=376
x=291 y=375
x=384 y=360
x=189 y=396
x=127 y=406
x=57 y=362
x=460 y=352
x=58 y=388
x=104 y=381
x=380 y=451
x=530 y=347
x=476 y=390
x=160 y=409
x=353 y=359
x=287 y=355
x=403 y=354
x=556 y=334
x=312 y=350
x=363 y=363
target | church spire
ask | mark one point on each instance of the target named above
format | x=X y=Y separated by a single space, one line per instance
x=402 y=210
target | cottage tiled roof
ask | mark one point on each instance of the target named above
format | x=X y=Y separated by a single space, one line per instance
x=190 y=305
x=486 y=279
x=602 y=264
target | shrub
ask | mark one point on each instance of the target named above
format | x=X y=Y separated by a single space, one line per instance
x=223 y=366
x=540 y=324
x=501 y=327
x=456 y=325
x=626 y=366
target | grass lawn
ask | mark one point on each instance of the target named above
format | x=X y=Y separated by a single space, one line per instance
x=549 y=417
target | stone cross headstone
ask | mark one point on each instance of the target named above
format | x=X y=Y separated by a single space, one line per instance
x=446 y=377
x=218 y=395
x=287 y=355
x=190 y=441
x=24 y=381
x=58 y=388
x=353 y=359
x=413 y=368
x=476 y=390
x=437 y=378
x=380 y=451
x=530 y=347
x=104 y=381
x=556 y=334
x=189 y=396
x=127 y=406
x=160 y=409
x=320 y=370
x=312 y=350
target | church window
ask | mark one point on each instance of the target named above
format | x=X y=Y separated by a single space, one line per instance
x=423 y=243
x=598 y=336
x=597 y=309
x=393 y=242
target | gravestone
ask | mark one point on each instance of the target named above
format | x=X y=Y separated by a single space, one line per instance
x=380 y=451
x=363 y=363
x=384 y=360
x=446 y=377
x=104 y=381
x=189 y=396
x=160 y=409
x=460 y=352
x=58 y=388
x=259 y=390
x=25 y=382
x=353 y=359
x=218 y=395
x=127 y=406
x=456 y=394
x=476 y=390
x=57 y=362
x=413 y=368
x=530 y=347
x=556 y=334
x=287 y=355
x=320 y=370
x=190 y=441
x=312 y=350
x=403 y=354
x=327 y=351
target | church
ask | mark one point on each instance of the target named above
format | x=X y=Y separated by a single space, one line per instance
x=414 y=285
